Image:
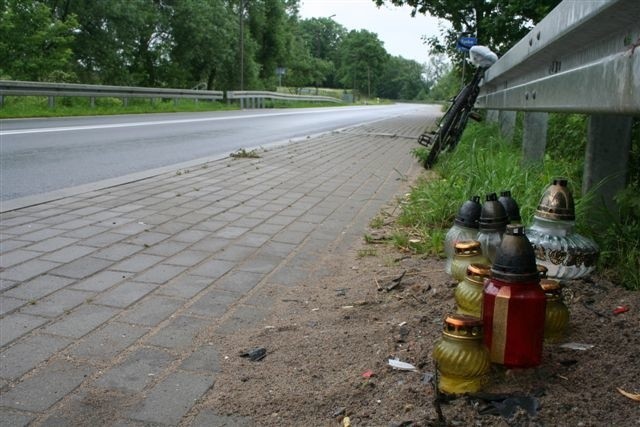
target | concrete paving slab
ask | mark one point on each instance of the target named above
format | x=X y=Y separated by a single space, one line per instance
x=57 y=304
x=158 y=266
x=40 y=392
x=179 y=333
x=15 y=419
x=151 y=311
x=28 y=270
x=185 y=286
x=81 y=321
x=213 y=303
x=81 y=267
x=101 y=281
x=107 y=342
x=27 y=354
x=170 y=400
x=136 y=371
x=15 y=325
x=124 y=294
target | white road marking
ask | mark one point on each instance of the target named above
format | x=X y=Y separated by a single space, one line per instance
x=166 y=122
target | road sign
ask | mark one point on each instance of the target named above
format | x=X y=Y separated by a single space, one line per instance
x=466 y=43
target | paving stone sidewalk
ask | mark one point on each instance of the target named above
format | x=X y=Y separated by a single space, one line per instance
x=104 y=294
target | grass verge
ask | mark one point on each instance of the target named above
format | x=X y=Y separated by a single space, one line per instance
x=37 y=106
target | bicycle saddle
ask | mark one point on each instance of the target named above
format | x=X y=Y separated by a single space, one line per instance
x=482 y=56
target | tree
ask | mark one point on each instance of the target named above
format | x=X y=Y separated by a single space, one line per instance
x=269 y=26
x=497 y=24
x=402 y=79
x=204 y=36
x=119 y=41
x=362 y=59
x=34 y=44
x=304 y=69
x=322 y=37
x=437 y=67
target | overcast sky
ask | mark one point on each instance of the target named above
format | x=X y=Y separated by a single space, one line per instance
x=400 y=32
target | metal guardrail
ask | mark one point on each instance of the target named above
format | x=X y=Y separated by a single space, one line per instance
x=584 y=57
x=19 y=88
x=231 y=95
x=253 y=98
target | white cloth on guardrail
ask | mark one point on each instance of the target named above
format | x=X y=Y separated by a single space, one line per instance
x=482 y=56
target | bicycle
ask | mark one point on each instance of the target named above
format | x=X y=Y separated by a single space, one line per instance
x=453 y=122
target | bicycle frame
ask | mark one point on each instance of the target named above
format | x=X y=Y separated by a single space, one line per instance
x=452 y=124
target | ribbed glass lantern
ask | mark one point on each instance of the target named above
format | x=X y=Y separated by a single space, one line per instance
x=466 y=252
x=556 y=320
x=463 y=362
x=468 y=293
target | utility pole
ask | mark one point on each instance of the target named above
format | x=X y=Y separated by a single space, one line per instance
x=241 y=44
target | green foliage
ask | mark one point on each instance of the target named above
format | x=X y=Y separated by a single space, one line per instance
x=32 y=106
x=34 y=45
x=268 y=26
x=243 y=153
x=213 y=44
x=362 y=60
x=37 y=106
x=446 y=87
x=497 y=24
x=566 y=137
x=204 y=36
x=483 y=162
x=304 y=68
x=402 y=79
x=620 y=243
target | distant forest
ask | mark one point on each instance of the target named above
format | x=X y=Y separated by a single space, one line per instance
x=229 y=44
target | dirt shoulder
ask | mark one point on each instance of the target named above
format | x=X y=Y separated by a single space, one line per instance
x=328 y=345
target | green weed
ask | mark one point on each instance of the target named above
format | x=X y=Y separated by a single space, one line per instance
x=37 y=106
x=245 y=154
x=484 y=163
x=377 y=222
x=367 y=252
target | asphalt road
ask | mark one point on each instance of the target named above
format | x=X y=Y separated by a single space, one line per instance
x=42 y=155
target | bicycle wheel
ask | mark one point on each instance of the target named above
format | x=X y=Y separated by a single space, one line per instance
x=452 y=117
x=457 y=128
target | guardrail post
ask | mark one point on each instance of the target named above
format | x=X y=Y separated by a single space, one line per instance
x=125 y=102
x=534 y=136
x=492 y=116
x=607 y=156
x=52 y=101
x=1 y=101
x=507 y=124
x=92 y=101
x=242 y=103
